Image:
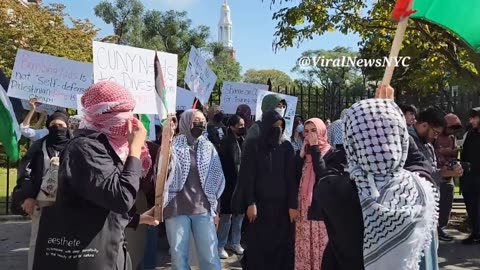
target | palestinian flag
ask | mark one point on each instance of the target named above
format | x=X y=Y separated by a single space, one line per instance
x=10 y=131
x=461 y=17
x=161 y=92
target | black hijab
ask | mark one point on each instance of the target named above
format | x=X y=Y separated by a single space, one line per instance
x=57 y=137
x=271 y=137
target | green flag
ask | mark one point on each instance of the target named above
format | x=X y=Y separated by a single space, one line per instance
x=461 y=17
x=10 y=131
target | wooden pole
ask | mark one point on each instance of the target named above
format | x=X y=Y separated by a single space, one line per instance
x=163 y=166
x=396 y=45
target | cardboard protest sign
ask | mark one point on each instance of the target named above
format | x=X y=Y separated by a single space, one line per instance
x=289 y=113
x=134 y=69
x=52 y=80
x=234 y=94
x=199 y=77
x=47 y=108
x=185 y=99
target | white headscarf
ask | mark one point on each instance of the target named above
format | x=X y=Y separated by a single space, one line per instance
x=399 y=207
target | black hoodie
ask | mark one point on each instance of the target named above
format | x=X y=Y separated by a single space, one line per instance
x=267 y=173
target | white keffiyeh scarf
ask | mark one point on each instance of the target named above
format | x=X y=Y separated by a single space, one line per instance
x=399 y=207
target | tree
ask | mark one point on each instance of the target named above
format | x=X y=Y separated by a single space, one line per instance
x=334 y=76
x=44 y=30
x=222 y=63
x=123 y=15
x=310 y=18
x=278 y=78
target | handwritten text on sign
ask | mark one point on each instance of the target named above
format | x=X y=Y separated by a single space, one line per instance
x=289 y=113
x=185 y=99
x=234 y=94
x=52 y=80
x=134 y=69
x=199 y=77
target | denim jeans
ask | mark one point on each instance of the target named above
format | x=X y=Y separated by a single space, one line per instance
x=430 y=258
x=150 y=255
x=227 y=221
x=203 y=230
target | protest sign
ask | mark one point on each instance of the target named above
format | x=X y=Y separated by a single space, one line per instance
x=234 y=94
x=52 y=80
x=134 y=69
x=185 y=99
x=47 y=108
x=199 y=77
x=289 y=113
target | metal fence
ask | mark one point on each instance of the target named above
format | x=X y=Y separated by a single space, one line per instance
x=312 y=102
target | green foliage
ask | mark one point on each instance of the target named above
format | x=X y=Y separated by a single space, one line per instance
x=44 y=30
x=277 y=77
x=169 y=31
x=438 y=56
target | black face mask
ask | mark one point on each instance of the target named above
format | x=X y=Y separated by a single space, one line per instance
x=241 y=131
x=197 y=130
x=57 y=132
x=274 y=136
x=218 y=117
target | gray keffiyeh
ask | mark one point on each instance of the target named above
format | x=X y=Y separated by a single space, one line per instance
x=399 y=207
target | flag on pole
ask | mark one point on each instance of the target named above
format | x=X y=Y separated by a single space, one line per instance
x=10 y=131
x=459 y=16
x=161 y=91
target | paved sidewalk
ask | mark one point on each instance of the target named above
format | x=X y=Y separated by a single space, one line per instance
x=14 y=237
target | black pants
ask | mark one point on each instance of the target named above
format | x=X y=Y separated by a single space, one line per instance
x=472 y=202
x=446 y=201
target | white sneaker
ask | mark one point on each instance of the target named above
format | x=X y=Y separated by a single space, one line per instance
x=237 y=249
x=222 y=254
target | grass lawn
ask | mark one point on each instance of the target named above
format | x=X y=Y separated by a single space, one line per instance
x=3 y=187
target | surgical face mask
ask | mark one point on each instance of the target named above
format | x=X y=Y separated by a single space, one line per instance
x=300 y=128
x=281 y=111
x=197 y=129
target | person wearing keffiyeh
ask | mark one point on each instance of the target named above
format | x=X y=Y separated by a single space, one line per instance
x=381 y=215
x=194 y=188
x=99 y=175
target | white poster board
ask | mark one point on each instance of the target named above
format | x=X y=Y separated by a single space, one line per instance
x=134 y=69
x=234 y=94
x=47 y=108
x=199 y=77
x=52 y=80
x=289 y=113
x=185 y=99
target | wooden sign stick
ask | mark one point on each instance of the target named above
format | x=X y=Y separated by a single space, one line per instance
x=396 y=45
x=163 y=166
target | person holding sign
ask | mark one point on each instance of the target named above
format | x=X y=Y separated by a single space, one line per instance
x=194 y=187
x=268 y=180
x=365 y=230
x=99 y=177
x=34 y=133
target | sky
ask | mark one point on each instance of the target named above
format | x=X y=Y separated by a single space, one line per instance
x=253 y=29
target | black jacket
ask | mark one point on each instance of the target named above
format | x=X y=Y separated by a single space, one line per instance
x=230 y=155
x=471 y=154
x=214 y=135
x=95 y=193
x=336 y=202
x=31 y=171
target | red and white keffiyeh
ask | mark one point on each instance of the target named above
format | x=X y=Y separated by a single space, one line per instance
x=107 y=107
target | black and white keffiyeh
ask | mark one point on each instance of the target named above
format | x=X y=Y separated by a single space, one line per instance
x=399 y=207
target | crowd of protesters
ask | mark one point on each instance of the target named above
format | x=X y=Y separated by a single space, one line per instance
x=372 y=190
